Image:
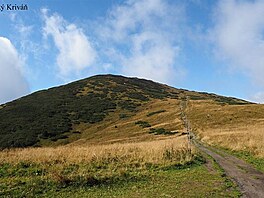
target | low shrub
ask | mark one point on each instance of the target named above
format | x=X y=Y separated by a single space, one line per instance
x=143 y=124
x=155 y=112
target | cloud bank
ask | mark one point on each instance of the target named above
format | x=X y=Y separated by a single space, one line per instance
x=136 y=38
x=258 y=97
x=239 y=36
x=143 y=39
x=75 y=50
x=12 y=82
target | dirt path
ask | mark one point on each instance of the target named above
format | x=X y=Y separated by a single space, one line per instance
x=250 y=180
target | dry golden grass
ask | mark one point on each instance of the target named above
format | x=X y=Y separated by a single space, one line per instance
x=116 y=130
x=154 y=152
x=248 y=139
x=237 y=127
x=85 y=166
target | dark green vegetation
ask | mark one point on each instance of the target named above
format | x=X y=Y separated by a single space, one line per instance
x=220 y=99
x=94 y=180
x=161 y=131
x=155 y=112
x=143 y=124
x=51 y=114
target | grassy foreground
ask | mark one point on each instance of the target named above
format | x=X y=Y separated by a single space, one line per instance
x=161 y=168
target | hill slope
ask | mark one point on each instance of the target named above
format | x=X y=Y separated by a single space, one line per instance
x=97 y=109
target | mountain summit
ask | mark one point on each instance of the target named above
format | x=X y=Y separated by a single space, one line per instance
x=82 y=110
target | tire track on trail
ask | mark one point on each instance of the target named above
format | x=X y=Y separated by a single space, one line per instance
x=249 y=179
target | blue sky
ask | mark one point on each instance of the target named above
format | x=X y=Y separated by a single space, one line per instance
x=212 y=46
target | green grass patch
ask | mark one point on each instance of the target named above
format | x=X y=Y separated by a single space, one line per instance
x=190 y=179
x=34 y=180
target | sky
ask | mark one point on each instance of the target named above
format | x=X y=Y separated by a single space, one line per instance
x=201 y=45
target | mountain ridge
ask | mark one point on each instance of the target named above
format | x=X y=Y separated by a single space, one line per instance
x=52 y=114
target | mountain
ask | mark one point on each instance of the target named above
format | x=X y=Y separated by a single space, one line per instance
x=102 y=108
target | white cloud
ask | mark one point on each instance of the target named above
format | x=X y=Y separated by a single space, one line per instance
x=146 y=39
x=151 y=58
x=75 y=50
x=258 y=97
x=12 y=82
x=239 y=36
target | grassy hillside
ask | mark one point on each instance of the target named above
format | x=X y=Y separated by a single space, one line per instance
x=236 y=129
x=112 y=136
x=99 y=108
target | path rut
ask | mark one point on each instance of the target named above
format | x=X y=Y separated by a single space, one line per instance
x=250 y=180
